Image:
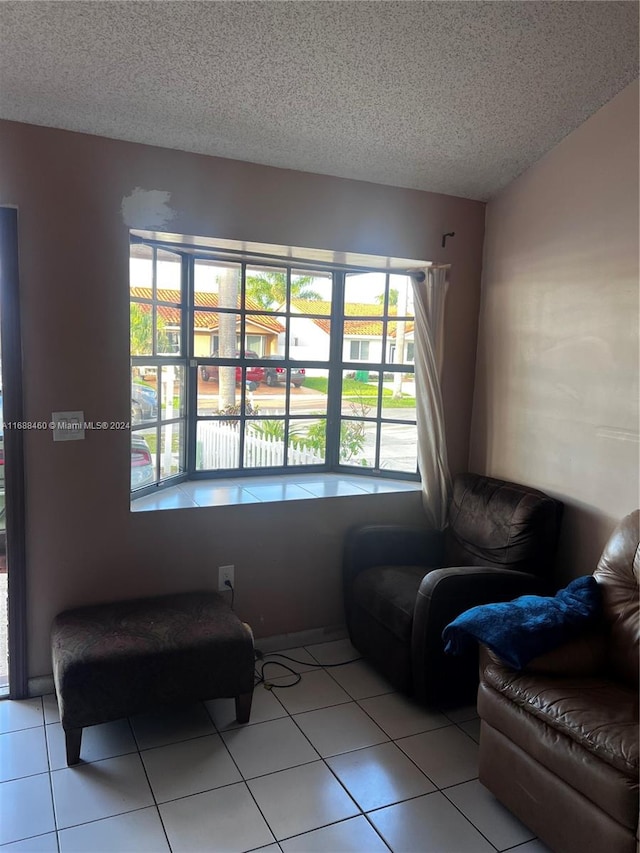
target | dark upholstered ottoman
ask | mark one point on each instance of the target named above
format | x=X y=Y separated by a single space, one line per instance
x=114 y=660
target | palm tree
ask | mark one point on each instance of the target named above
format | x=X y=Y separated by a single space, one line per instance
x=393 y=297
x=269 y=288
x=141 y=331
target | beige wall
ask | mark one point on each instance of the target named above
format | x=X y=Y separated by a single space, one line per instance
x=83 y=544
x=556 y=398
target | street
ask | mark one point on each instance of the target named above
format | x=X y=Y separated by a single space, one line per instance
x=398 y=441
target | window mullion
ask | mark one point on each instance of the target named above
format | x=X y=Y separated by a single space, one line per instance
x=191 y=390
x=188 y=303
x=334 y=389
x=242 y=425
x=154 y=297
x=383 y=364
x=287 y=354
x=243 y=310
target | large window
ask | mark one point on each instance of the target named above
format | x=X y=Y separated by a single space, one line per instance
x=241 y=367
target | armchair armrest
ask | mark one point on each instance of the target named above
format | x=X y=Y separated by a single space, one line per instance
x=445 y=594
x=462 y=587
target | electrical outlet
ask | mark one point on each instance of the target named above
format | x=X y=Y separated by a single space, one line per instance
x=225 y=573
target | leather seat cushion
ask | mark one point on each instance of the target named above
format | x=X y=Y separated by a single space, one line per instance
x=610 y=790
x=388 y=594
x=598 y=714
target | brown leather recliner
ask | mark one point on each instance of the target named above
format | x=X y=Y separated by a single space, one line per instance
x=559 y=739
x=500 y=543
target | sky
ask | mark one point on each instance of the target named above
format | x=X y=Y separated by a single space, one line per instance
x=364 y=287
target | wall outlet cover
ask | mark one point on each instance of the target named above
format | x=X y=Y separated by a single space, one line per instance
x=225 y=573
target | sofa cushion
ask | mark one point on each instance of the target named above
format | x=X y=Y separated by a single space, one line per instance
x=596 y=817
x=609 y=789
x=600 y=715
x=497 y=523
x=388 y=594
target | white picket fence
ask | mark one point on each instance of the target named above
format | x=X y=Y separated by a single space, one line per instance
x=218 y=447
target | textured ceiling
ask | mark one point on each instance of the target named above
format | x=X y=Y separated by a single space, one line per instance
x=453 y=97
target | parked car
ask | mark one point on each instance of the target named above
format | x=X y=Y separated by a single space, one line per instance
x=254 y=375
x=144 y=402
x=281 y=375
x=143 y=470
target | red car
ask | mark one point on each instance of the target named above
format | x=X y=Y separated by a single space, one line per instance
x=255 y=374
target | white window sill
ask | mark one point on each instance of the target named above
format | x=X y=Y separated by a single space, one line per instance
x=201 y=493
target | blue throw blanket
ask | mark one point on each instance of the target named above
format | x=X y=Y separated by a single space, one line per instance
x=520 y=630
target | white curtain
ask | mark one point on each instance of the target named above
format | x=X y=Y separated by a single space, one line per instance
x=430 y=290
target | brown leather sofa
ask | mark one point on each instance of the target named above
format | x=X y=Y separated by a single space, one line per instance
x=559 y=739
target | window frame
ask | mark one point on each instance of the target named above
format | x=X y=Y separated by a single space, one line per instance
x=157 y=361
x=336 y=366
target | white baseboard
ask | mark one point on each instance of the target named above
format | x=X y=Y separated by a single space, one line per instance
x=40 y=686
x=301 y=638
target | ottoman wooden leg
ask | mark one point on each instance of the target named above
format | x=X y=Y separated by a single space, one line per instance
x=243 y=707
x=73 y=739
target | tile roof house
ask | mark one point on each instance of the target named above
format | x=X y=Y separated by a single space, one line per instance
x=261 y=330
x=362 y=336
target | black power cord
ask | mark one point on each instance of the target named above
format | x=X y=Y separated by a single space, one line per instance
x=233 y=592
x=260 y=656
x=268 y=685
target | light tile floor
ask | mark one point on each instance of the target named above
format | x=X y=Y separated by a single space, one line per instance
x=338 y=762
